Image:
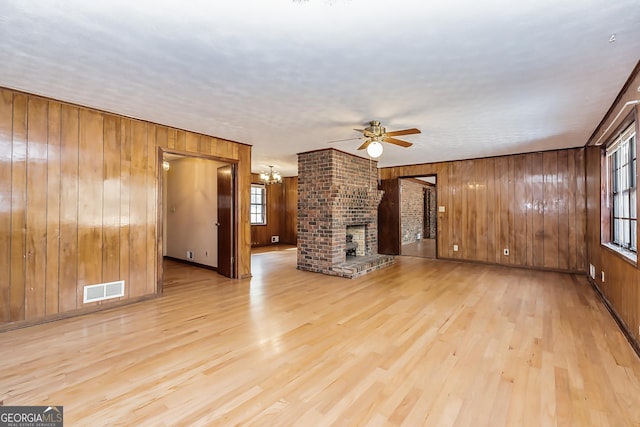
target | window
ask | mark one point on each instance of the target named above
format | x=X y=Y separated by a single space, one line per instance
x=621 y=170
x=258 y=204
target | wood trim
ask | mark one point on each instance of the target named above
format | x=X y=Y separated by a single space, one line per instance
x=194 y=264
x=635 y=345
x=627 y=84
x=105 y=306
x=421 y=165
x=113 y=113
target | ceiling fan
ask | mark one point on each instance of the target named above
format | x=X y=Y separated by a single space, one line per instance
x=375 y=133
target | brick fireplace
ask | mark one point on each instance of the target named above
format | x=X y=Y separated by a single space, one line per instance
x=336 y=191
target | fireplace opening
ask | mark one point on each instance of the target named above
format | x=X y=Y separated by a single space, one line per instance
x=351 y=246
x=356 y=244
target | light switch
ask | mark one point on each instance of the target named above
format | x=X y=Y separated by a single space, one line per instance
x=441 y=209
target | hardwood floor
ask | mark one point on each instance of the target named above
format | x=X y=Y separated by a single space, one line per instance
x=425 y=248
x=420 y=343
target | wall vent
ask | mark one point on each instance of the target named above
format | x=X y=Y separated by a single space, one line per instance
x=103 y=291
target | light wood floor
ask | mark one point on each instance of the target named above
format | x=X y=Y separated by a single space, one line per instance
x=420 y=343
x=425 y=248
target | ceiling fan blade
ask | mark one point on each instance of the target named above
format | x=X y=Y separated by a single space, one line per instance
x=403 y=132
x=365 y=144
x=348 y=139
x=397 y=142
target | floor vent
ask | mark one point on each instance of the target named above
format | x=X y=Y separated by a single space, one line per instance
x=103 y=291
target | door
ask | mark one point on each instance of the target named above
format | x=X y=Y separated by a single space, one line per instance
x=389 y=218
x=225 y=221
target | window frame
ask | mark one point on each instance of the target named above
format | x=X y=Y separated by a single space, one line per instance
x=619 y=207
x=263 y=205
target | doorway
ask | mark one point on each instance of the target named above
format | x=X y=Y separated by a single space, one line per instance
x=197 y=212
x=418 y=216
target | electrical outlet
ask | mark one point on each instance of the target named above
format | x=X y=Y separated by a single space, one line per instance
x=275 y=239
x=189 y=255
x=602 y=276
x=506 y=251
x=441 y=209
x=455 y=248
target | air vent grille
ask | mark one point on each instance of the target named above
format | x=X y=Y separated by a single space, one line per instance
x=103 y=291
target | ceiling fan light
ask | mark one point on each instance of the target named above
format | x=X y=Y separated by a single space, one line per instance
x=374 y=149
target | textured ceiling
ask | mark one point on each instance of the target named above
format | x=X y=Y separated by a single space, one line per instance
x=479 y=78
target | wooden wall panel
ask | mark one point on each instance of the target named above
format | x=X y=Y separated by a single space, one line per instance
x=511 y=214
x=290 y=232
x=151 y=186
x=36 y=209
x=172 y=135
x=282 y=213
x=138 y=209
x=53 y=209
x=481 y=213
x=243 y=267
x=538 y=201
x=111 y=192
x=563 y=211
x=510 y=202
x=551 y=201
x=443 y=229
x=581 y=206
x=90 y=198
x=69 y=159
x=124 y=228
x=530 y=208
x=520 y=198
x=79 y=194
x=6 y=143
x=492 y=249
x=18 y=206
x=457 y=198
x=181 y=140
x=502 y=209
x=192 y=142
x=469 y=210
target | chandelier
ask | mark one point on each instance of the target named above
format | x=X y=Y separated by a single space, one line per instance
x=272 y=177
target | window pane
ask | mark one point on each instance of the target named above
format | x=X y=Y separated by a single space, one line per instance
x=625 y=204
x=258 y=206
x=626 y=232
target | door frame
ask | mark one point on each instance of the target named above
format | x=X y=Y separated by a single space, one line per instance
x=160 y=209
x=435 y=187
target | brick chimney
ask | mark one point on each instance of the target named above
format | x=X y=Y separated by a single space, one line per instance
x=337 y=190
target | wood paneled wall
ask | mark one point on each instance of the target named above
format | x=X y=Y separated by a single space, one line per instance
x=79 y=200
x=621 y=287
x=290 y=218
x=282 y=213
x=532 y=204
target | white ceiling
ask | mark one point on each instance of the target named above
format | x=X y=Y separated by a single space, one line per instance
x=479 y=78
